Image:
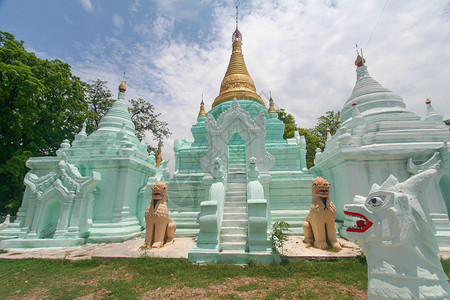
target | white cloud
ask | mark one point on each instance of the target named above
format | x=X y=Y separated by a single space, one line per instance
x=134 y=6
x=163 y=27
x=117 y=21
x=301 y=51
x=87 y=5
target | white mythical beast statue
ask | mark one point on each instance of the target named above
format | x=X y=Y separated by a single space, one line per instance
x=394 y=230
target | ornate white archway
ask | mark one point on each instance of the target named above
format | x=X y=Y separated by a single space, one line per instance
x=237 y=120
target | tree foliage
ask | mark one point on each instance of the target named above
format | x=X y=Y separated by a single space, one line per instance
x=312 y=143
x=146 y=120
x=315 y=137
x=289 y=123
x=143 y=115
x=99 y=100
x=447 y=122
x=41 y=104
x=331 y=120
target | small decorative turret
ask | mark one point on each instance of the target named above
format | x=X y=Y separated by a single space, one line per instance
x=65 y=145
x=360 y=61
x=158 y=159
x=81 y=135
x=202 y=112
x=431 y=113
x=122 y=87
x=272 y=108
x=356 y=113
x=328 y=134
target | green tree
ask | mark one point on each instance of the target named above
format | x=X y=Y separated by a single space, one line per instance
x=312 y=143
x=289 y=123
x=447 y=122
x=41 y=104
x=145 y=119
x=143 y=115
x=315 y=137
x=331 y=120
x=99 y=100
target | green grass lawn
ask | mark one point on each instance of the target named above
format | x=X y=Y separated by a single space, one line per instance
x=155 y=278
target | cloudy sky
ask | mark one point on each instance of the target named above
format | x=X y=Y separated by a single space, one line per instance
x=173 y=51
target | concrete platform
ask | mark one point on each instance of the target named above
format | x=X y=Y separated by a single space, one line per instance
x=294 y=248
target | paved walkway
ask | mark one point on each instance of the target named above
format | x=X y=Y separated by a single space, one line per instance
x=294 y=247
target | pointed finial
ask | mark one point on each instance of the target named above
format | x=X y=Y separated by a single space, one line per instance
x=360 y=61
x=328 y=134
x=237 y=34
x=272 y=108
x=202 y=112
x=432 y=115
x=158 y=159
x=123 y=86
x=237 y=13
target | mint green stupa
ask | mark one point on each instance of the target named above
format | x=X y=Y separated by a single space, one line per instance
x=94 y=190
x=238 y=175
x=379 y=137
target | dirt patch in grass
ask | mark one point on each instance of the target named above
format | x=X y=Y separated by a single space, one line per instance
x=103 y=293
x=257 y=288
x=35 y=293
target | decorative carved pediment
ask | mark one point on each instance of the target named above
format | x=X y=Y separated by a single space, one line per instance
x=65 y=178
x=236 y=120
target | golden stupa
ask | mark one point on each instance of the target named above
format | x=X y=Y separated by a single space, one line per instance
x=202 y=112
x=122 y=86
x=272 y=108
x=360 y=61
x=237 y=83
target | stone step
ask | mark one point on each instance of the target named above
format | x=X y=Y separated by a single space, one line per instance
x=234 y=230
x=236 y=180
x=237 y=187
x=235 y=209
x=233 y=238
x=237 y=166
x=186 y=224
x=235 y=161
x=234 y=223
x=236 y=170
x=236 y=198
x=236 y=152
x=235 y=216
x=186 y=232
x=236 y=204
x=232 y=246
x=241 y=176
x=236 y=192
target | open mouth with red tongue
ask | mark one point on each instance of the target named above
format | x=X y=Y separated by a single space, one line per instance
x=157 y=194
x=362 y=224
x=323 y=192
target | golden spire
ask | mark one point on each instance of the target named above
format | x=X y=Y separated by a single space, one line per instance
x=272 y=108
x=122 y=86
x=158 y=156
x=202 y=112
x=237 y=83
x=360 y=61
